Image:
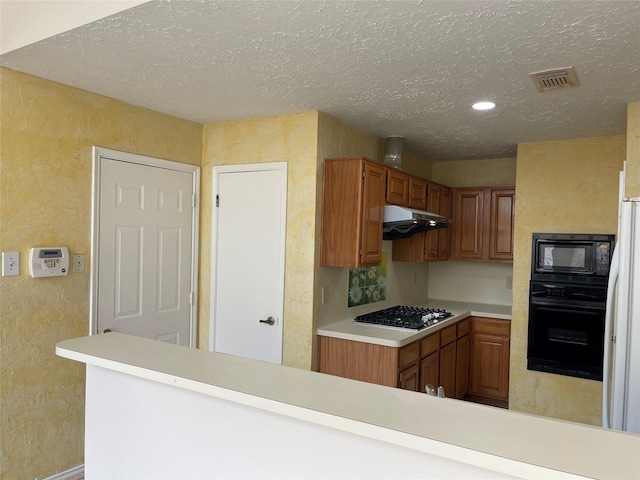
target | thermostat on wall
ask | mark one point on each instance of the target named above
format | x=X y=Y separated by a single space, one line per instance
x=48 y=261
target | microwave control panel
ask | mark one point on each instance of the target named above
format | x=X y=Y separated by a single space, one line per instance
x=48 y=261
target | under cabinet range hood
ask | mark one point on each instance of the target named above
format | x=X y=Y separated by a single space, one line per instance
x=402 y=222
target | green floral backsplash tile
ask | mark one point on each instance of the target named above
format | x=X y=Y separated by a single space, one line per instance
x=368 y=284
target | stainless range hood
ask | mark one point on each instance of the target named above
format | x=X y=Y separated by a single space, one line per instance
x=402 y=222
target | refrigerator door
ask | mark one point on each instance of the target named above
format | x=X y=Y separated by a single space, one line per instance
x=608 y=338
x=625 y=380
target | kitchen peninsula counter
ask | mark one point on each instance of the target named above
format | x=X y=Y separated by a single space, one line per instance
x=159 y=410
x=348 y=329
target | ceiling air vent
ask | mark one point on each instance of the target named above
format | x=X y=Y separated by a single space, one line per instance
x=553 y=79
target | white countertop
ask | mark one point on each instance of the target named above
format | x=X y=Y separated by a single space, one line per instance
x=348 y=329
x=501 y=440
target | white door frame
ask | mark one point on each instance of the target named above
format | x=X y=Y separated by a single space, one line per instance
x=253 y=167
x=100 y=154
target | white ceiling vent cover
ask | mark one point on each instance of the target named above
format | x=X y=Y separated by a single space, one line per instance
x=554 y=79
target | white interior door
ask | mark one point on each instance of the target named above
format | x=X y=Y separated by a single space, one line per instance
x=248 y=260
x=144 y=256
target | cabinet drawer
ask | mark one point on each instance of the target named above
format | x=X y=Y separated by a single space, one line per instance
x=447 y=335
x=408 y=355
x=492 y=326
x=464 y=327
x=429 y=345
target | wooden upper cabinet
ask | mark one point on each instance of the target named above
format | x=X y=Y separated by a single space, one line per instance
x=483 y=224
x=352 y=207
x=444 y=234
x=502 y=217
x=417 y=193
x=468 y=228
x=432 y=245
x=431 y=238
x=397 y=188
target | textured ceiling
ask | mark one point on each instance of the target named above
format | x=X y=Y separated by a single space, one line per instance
x=408 y=68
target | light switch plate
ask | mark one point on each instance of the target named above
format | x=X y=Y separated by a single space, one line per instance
x=10 y=264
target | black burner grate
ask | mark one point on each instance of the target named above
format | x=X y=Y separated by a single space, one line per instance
x=402 y=316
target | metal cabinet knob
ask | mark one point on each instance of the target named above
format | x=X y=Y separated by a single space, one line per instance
x=269 y=321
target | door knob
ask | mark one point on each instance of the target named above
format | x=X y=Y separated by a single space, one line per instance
x=106 y=330
x=269 y=321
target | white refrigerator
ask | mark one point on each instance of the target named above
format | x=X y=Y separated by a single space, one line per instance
x=621 y=366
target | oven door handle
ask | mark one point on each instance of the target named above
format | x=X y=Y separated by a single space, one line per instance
x=568 y=305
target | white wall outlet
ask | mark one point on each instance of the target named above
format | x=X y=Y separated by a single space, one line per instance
x=10 y=264
x=509 y=283
x=78 y=262
x=325 y=294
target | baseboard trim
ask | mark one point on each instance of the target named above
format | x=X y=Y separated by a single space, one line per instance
x=73 y=473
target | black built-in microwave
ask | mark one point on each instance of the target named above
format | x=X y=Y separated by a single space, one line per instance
x=571 y=257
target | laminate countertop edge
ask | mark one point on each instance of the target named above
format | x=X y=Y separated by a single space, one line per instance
x=517 y=444
x=348 y=329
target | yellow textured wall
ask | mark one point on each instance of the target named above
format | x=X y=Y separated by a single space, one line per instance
x=46 y=134
x=564 y=186
x=493 y=172
x=288 y=138
x=632 y=188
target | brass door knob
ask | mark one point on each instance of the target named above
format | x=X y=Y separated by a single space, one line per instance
x=269 y=321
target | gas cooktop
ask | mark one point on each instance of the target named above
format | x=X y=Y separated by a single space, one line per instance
x=402 y=316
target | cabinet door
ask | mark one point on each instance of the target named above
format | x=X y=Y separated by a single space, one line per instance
x=433 y=205
x=408 y=355
x=372 y=203
x=444 y=234
x=417 y=193
x=468 y=213
x=410 y=249
x=463 y=354
x=352 y=207
x=501 y=227
x=397 y=188
x=490 y=366
x=429 y=371
x=408 y=379
x=448 y=369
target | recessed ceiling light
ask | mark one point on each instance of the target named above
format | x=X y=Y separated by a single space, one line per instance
x=483 y=105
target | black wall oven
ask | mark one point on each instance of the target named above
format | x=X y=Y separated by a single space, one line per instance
x=567 y=303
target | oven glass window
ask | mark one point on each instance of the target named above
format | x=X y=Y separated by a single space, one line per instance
x=562 y=257
x=566 y=340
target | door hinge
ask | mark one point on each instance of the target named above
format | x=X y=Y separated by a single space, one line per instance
x=361 y=252
x=193 y=200
x=217 y=200
x=191 y=299
x=364 y=173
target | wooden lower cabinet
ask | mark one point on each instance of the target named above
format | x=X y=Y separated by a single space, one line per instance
x=448 y=369
x=409 y=379
x=463 y=356
x=358 y=360
x=429 y=371
x=490 y=358
x=470 y=357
